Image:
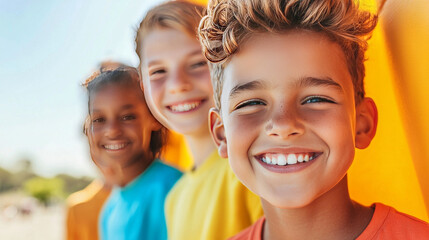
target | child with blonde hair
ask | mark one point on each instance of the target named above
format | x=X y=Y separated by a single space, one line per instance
x=208 y=202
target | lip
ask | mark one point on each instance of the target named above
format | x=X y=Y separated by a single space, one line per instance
x=186 y=106
x=288 y=168
x=115 y=146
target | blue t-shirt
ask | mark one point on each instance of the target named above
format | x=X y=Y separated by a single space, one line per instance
x=136 y=211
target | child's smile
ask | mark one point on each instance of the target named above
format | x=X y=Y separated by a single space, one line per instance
x=286 y=160
x=185 y=106
x=115 y=146
x=289 y=119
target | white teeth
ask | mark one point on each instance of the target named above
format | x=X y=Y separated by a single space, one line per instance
x=281 y=160
x=115 y=146
x=273 y=159
x=300 y=158
x=286 y=159
x=291 y=159
x=184 y=107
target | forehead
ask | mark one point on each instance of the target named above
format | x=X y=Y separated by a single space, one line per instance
x=114 y=95
x=282 y=59
x=167 y=43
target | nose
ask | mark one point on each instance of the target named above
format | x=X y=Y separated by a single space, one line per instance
x=179 y=81
x=284 y=123
x=113 y=129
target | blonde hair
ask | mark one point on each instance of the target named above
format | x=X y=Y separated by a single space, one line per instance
x=229 y=22
x=179 y=15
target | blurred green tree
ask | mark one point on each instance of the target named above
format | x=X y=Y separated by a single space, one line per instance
x=45 y=189
x=5 y=180
x=73 y=184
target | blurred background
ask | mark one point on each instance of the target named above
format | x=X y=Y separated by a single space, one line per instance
x=47 y=49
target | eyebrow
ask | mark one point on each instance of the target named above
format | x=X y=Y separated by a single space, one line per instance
x=253 y=85
x=314 y=82
x=125 y=107
x=191 y=54
x=302 y=82
x=128 y=106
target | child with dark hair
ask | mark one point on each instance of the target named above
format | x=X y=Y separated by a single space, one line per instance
x=125 y=141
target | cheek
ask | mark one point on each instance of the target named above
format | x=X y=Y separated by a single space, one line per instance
x=155 y=91
x=240 y=132
x=153 y=96
x=94 y=135
x=337 y=130
x=205 y=85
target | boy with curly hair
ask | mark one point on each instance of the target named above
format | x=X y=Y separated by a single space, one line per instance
x=290 y=111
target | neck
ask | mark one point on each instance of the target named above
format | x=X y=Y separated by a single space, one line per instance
x=201 y=146
x=332 y=216
x=134 y=169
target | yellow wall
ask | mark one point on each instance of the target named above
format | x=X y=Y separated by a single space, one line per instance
x=406 y=27
x=176 y=152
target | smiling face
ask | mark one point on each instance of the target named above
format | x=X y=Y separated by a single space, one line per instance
x=121 y=127
x=288 y=121
x=176 y=80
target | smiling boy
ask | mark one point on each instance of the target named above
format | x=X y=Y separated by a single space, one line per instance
x=290 y=111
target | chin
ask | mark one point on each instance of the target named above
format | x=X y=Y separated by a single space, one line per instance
x=288 y=201
x=190 y=129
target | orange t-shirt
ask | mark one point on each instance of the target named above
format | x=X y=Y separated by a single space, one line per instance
x=386 y=223
x=83 y=208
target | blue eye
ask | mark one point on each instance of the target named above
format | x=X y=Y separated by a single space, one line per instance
x=250 y=103
x=317 y=99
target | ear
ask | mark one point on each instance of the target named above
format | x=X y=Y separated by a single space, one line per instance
x=141 y=83
x=156 y=126
x=218 y=132
x=150 y=119
x=366 y=123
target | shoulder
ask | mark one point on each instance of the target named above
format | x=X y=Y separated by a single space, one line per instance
x=165 y=169
x=253 y=232
x=84 y=195
x=166 y=174
x=157 y=178
x=388 y=223
x=408 y=223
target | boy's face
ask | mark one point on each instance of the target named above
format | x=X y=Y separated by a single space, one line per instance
x=121 y=127
x=176 y=80
x=288 y=118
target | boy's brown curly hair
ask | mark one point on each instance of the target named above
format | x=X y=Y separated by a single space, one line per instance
x=229 y=22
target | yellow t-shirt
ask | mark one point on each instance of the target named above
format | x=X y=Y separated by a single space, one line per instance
x=210 y=203
x=83 y=208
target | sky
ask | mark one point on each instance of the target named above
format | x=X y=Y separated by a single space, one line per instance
x=47 y=49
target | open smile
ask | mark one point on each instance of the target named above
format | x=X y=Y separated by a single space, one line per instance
x=115 y=146
x=187 y=106
x=287 y=162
